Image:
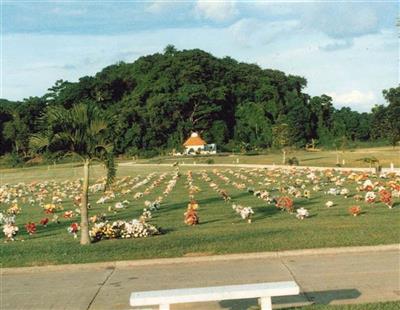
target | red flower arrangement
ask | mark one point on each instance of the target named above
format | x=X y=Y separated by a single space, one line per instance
x=355 y=210
x=44 y=221
x=386 y=197
x=285 y=203
x=73 y=229
x=30 y=228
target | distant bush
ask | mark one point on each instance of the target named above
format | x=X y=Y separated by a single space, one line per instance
x=210 y=161
x=13 y=160
x=252 y=153
x=148 y=153
x=293 y=161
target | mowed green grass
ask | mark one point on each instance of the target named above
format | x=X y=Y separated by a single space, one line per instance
x=324 y=158
x=221 y=230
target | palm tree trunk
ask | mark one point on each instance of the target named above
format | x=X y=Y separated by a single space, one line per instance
x=85 y=238
x=283 y=157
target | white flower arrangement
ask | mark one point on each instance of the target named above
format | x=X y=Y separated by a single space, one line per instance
x=123 y=229
x=10 y=230
x=344 y=192
x=119 y=205
x=329 y=204
x=244 y=212
x=146 y=215
x=333 y=191
x=368 y=185
x=302 y=213
x=370 y=197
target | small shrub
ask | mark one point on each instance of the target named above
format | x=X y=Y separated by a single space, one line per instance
x=293 y=161
x=13 y=160
x=210 y=161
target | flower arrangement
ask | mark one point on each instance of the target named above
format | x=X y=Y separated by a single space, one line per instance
x=14 y=209
x=146 y=215
x=55 y=219
x=344 y=192
x=329 y=204
x=224 y=195
x=78 y=200
x=370 y=197
x=49 y=208
x=386 y=197
x=138 y=195
x=119 y=205
x=68 y=214
x=152 y=205
x=30 y=228
x=191 y=217
x=122 y=229
x=244 y=212
x=302 y=213
x=44 y=221
x=367 y=186
x=333 y=191
x=73 y=229
x=10 y=230
x=355 y=210
x=285 y=203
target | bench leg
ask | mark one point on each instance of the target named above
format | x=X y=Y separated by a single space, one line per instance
x=164 y=307
x=265 y=303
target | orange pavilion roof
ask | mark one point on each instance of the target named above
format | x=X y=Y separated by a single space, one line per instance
x=194 y=140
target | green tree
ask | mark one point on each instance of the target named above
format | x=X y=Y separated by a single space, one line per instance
x=392 y=96
x=282 y=138
x=17 y=131
x=81 y=131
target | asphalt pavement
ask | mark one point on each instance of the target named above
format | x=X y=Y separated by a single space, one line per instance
x=369 y=274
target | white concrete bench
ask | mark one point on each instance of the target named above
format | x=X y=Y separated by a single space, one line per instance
x=264 y=291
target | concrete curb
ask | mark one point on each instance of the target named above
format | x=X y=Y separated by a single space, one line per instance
x=195 y=259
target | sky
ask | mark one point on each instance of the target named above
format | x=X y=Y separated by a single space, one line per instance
x=348 y=50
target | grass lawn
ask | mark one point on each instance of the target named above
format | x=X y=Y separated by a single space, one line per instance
x=221 y=230
x=386 y=156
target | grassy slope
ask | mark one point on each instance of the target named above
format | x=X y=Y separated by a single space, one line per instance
x=221 y=230
x=385 y=155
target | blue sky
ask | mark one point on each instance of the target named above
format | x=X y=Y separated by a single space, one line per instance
x=346 y=49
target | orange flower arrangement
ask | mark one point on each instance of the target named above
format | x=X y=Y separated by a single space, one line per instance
x=191 y=217
x=285 y=203
x=355 y=210
x=386 y=197
x=68 y=214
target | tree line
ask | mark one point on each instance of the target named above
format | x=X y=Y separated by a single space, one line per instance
x=155 y=102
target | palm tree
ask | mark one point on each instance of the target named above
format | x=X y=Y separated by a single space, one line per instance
x=81 y=131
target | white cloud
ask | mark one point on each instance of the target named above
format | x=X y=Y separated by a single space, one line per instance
x=157 y=7
x=353 y=97
x=32 y=63
x=251 y=32
x=217 y=11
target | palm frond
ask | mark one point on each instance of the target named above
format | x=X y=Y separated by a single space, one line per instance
x=39 y=142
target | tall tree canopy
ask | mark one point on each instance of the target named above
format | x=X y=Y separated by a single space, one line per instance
x=159 y=99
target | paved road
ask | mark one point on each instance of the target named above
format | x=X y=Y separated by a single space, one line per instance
x=355 y=277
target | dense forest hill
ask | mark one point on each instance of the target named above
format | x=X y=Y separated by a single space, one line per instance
x=156 y=101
